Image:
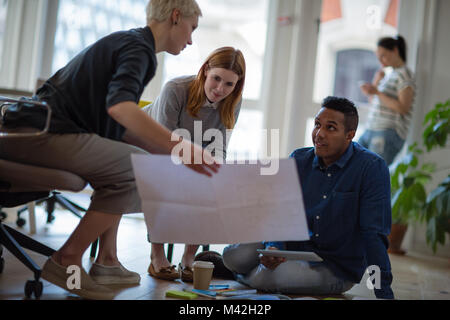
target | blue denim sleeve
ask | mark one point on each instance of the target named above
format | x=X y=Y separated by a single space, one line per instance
x=375 y=223
x=376 y=254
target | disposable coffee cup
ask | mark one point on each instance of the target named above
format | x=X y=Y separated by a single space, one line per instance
x=203 y=271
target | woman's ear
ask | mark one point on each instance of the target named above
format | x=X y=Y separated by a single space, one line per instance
x=206 y=69
x=396 y=51
x=175 y=16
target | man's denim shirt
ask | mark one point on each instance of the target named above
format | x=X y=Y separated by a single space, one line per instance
x=348 y=211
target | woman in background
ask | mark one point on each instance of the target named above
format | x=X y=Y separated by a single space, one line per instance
x=392 y=97
x=213 y=98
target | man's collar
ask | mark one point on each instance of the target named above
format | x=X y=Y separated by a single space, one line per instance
x=341 y=162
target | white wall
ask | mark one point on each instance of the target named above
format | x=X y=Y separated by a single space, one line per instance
x=433 y=79
x=288 y=87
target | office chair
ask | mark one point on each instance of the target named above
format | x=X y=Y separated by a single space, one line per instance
x=22 y=183
x=50 y=203
x=3 y=214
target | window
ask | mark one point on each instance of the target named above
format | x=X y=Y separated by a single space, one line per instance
x=3 y=9
x=352 y=67
x=240 y=24
x=82 y=22
x=244 y=142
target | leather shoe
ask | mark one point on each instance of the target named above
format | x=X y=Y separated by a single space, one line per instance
x=166 y=273
x=220 y=271
x=186 y=273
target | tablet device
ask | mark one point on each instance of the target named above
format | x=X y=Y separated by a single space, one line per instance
x=292 y=255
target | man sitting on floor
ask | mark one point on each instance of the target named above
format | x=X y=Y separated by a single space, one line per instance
x=346 y=189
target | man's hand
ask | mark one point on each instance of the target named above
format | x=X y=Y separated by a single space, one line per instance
x=271 y=262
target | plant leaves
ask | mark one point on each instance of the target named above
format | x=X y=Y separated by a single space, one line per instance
x=441 y=138
x=420 y=176
x=431 y=114
x=408 y=181
x=399 y=214
x=418 y=193
x=441 y=223
x=407 y=201
x=446 y=204
x=436 y=192
x=412 y=147
x=446 y=181
x=428 y=167
x=430 y=211
x=437 y=126
x=395 y=201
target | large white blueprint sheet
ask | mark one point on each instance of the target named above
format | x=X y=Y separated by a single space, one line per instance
x=236 y=205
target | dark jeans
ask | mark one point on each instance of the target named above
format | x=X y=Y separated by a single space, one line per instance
x=386 y=143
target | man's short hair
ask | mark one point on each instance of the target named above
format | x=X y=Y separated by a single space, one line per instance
x=160 y=10
x=346 y=107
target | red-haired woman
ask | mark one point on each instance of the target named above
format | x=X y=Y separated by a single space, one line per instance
x=213 y=98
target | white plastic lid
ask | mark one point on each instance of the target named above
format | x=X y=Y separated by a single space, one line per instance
x=203 y=264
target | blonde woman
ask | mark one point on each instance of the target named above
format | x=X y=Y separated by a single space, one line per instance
x=213 y=97
x=96 y=125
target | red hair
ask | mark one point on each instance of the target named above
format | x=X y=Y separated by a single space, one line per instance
x=225 y=58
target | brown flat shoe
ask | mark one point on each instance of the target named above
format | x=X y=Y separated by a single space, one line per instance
x=186 y=273
x=166 y=273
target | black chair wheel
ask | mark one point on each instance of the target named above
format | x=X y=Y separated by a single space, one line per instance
x=33 y=287
x=2 y=264
x=20 y=222
x=3 y=215
x=38 y=289
x=50 y=218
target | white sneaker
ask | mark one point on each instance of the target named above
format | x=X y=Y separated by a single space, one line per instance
x=113 y=275
x=89 y=289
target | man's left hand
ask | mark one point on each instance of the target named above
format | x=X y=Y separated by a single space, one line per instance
x=271 y=262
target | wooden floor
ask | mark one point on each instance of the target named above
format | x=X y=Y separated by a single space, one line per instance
x=415 y=277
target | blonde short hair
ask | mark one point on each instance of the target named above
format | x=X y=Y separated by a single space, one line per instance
x=160 y=10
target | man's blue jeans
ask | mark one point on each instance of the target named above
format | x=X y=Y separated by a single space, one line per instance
x=386 y=143
x=290 y=277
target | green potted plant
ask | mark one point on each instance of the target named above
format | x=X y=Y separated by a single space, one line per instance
x=437 y=206
x=408 y=180
x=408 y=192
